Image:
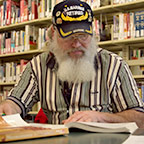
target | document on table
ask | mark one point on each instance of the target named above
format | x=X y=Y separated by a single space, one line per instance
x=134 y=139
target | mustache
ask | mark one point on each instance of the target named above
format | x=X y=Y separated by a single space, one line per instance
x=76 y=49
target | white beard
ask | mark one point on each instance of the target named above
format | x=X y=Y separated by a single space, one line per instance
x=71 y=70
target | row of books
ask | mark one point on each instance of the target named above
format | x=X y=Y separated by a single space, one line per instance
x=23 y=40
x=102 y=29
x=10 y=71
x=124 y=26
x=128 y=25
x=122 y=1
x=12 y=12
x=141 y=89
x=136 y=54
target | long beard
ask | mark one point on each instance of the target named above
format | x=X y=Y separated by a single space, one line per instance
x=71 y=70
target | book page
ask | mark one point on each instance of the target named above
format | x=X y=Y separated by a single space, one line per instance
x=52 y=126
x=14 y=120
x=3 y=124
x=110 y=125
x=129 y=127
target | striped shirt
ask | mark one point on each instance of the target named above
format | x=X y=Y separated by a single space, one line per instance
x=112 y=90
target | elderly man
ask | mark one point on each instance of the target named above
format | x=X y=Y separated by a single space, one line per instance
x=75 y=80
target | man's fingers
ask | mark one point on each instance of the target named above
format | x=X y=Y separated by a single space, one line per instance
x=78 y=116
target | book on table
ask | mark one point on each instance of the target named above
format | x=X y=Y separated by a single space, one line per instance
x=13 y=128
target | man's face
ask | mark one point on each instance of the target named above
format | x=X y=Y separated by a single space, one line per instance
x=74 y=45
x=75 y=56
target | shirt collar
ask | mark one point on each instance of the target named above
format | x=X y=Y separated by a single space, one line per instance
x=51 y=62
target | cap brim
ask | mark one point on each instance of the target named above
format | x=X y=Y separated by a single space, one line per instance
x=66 y=30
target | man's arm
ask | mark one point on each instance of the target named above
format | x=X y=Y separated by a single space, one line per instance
x=133 y=116
x=9 y=107
x=94 y=116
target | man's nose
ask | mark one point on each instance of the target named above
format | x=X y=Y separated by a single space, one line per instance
x=76 y=43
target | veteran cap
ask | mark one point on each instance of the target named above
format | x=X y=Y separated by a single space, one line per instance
x=72 y=16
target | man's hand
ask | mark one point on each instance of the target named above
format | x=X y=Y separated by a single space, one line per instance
x=9 y=107
x=90 y=116
x=95 y=116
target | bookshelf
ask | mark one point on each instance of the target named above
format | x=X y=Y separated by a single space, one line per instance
x=7 y=83
x=37 y=22
x=130 y=41
x=135 y=62
x=21 y=53
x=112 y=45
x=110 y=9
x=139 y=76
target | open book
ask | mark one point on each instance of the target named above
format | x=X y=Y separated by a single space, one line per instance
x=13 y=127
x=129 y=127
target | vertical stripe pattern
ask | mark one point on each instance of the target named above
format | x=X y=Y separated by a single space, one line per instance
x=112 y=88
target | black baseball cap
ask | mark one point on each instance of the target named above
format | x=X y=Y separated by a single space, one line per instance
x=72 y=16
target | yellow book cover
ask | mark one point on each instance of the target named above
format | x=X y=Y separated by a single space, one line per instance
x=13 y=128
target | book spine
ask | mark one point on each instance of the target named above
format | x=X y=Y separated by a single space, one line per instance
x=30 y=9
x=8 y=21
x=142 y=91
x=121 y=26
x=116 y=27
x=22 y=4
x=137 y=22
x=40 y=39
x=4 y=13
x=142 y=24
x=132 y=27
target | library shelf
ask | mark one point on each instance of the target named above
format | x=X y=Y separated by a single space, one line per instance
x=114 y=8
x=7 y=83
x=138 y=76
x=130 y=41
x=37 y=22
x=33 y=112
x=37 y=51
x=139 y=62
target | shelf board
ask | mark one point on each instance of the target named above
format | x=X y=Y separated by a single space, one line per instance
x=138 y=76
x=129 y=6
x=21 y=53
x=130 y=41
x=135 y=62
x=33 y=112
x=7 y=83
x=134 y=5
x=36 y=22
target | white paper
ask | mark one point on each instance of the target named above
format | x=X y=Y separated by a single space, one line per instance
x=131 y=126
x=134 y=139
x=15 y=120
x=52 y=126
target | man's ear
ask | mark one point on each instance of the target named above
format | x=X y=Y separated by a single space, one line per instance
x=50 y=32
